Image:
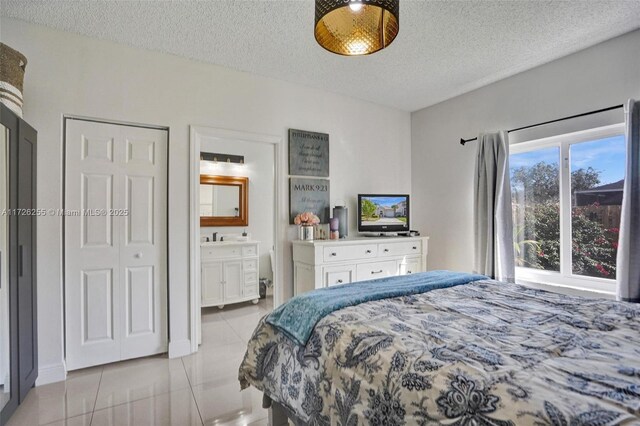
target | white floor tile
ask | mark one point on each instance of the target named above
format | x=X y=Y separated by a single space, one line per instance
x=161 y=391
x=210 y=364
x=218 y=334
x=242 y=310
x=133 y=380
x=244 y=320
x=175 y=408
x=222 y=403
x=83 y=420
x=211 y=315
x=58 y=401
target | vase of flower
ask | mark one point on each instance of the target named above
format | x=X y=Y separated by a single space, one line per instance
x=306 y=222
x=306 y=232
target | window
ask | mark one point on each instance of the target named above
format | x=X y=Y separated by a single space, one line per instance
x=567 y=196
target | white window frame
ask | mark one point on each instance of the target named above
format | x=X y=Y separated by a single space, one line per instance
x=565 y=278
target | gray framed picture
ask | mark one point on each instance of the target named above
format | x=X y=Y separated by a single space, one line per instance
x=309 y=195
x=308 y=153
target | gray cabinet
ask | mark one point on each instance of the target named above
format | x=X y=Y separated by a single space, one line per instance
x=18 y=335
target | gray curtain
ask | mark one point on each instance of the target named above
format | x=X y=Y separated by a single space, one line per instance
x=493 y=227
x=628 y=262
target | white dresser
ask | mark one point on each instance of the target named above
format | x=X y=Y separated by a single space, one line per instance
x=229 y=272
x=325 y=263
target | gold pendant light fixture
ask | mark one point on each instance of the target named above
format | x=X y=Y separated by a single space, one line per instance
x=356 y=27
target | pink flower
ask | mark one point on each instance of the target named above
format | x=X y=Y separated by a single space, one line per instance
x=601 y=269
x=306 y=218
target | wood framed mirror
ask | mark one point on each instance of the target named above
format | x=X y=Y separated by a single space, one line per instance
x=224 y=200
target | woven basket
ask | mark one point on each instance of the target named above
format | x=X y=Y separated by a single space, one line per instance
x=12 y=66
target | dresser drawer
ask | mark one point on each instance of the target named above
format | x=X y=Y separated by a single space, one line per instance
x=219 y=252
x=336 y=275
x=400 y=249
x=355 y=252
x=370 y=271
x=250 y=265
x=249 y=251
x=410 y=265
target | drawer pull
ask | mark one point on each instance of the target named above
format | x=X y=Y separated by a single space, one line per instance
x=334 y=254
x=408 y=272
x=339 y=281
x=368 y=251
x=415 y=248
x=386 y=250
x=376 y=272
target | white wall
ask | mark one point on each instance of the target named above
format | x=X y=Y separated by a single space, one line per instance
x=259 y=162
x=70 y=74
x=442 y=170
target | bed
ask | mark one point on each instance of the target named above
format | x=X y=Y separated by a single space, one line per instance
x=480 y=353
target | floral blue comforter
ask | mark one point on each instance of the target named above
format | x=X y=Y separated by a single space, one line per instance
x=484 y=353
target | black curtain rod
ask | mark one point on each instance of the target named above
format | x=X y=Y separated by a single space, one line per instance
x=464 y=141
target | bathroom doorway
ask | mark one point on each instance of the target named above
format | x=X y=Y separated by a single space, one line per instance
x=236 y=193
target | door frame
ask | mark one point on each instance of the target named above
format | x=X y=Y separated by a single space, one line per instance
x=196 y=135
x=65 y=118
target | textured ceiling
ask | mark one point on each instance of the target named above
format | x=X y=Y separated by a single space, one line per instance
x=444 y=48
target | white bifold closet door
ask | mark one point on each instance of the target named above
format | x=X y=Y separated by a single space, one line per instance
x=115 y=242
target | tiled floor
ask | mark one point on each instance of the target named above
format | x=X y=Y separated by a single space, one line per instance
x=197 y=389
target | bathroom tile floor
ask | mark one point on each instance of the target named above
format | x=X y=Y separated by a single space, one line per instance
x=199 y=389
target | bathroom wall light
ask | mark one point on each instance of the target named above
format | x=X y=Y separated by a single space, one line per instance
x=223 y=158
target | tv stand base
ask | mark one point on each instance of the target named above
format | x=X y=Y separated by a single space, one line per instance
x=380 y=234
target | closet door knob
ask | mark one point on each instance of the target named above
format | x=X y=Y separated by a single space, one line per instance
x=138 y=255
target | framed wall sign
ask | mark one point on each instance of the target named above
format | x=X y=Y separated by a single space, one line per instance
x=309 y=195
x=308 y=153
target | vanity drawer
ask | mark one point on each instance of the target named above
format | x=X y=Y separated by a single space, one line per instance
x=219 y=252
x=337 y=275
x=342 y=253
x=250 y=278
x=400 y=249
x=251 y=290
x=371 y=271
x=250 y=264
x=249 y=251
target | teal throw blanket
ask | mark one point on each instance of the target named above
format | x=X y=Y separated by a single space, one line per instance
x=298 y=317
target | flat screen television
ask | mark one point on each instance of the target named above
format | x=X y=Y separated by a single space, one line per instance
x=380 y=213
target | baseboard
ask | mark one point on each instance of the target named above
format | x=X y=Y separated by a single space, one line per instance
x=51 y=374
x=179 y=348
